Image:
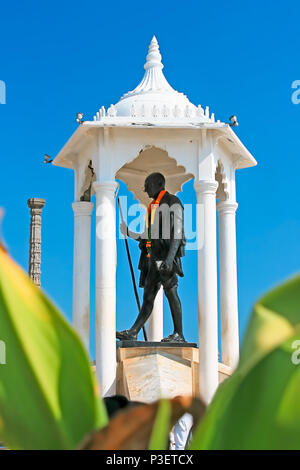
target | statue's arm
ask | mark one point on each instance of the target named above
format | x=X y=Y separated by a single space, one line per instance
x=174 y=245
x=134 y=235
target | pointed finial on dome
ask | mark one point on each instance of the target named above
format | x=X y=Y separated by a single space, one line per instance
x=153 y=58
x=159 y=92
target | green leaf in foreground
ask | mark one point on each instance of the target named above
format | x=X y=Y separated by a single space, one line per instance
x=48 y=396
x=160 y=432
x=259 y=407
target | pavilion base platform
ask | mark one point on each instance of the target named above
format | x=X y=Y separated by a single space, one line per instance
x=149 y=371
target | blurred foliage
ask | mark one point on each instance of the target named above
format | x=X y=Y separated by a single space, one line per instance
x=160 y=432
x=49 y=397
x=258 y=407
x=144 y=426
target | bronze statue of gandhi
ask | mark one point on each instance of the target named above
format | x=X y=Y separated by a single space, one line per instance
x=162 y=247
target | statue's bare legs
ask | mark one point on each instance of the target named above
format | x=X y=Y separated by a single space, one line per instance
x=152 y=287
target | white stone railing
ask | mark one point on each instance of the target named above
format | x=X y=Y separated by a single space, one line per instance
x=160 y=112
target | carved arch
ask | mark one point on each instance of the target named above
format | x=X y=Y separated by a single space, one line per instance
x=221 y=178
x=85 y=178
x=152 y=159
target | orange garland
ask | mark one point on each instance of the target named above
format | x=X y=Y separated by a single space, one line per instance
x=152 y=209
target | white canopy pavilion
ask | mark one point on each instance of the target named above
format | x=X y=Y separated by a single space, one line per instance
x=156 y=128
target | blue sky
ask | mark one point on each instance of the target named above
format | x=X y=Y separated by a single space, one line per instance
x=57 y=58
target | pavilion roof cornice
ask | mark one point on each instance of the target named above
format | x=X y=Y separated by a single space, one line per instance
x=224 y=132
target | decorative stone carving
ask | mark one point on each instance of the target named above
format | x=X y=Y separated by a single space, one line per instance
x=36 y=205
x=200 y=111
x=133 y=111
x=87 y=181
x=138 y=109
x=112 y=111
x=165 y=111
x=143 y=110
x=188 y=112
x=155 y=111
x=222 y=191
x=176 y=111
x=152 y=159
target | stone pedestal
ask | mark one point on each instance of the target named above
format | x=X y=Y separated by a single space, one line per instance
x=148 y=373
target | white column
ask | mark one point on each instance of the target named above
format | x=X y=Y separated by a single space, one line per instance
x=106 y=260
x=207 y=288
x=228 y=283
x=81 y=269
x=155 y=324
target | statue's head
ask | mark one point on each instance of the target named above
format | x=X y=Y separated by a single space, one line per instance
x=154 y=183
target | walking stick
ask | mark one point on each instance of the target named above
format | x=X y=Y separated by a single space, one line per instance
x=131 y=270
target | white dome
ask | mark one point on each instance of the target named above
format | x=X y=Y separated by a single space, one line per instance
x=154 y=101
x=154 y=95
